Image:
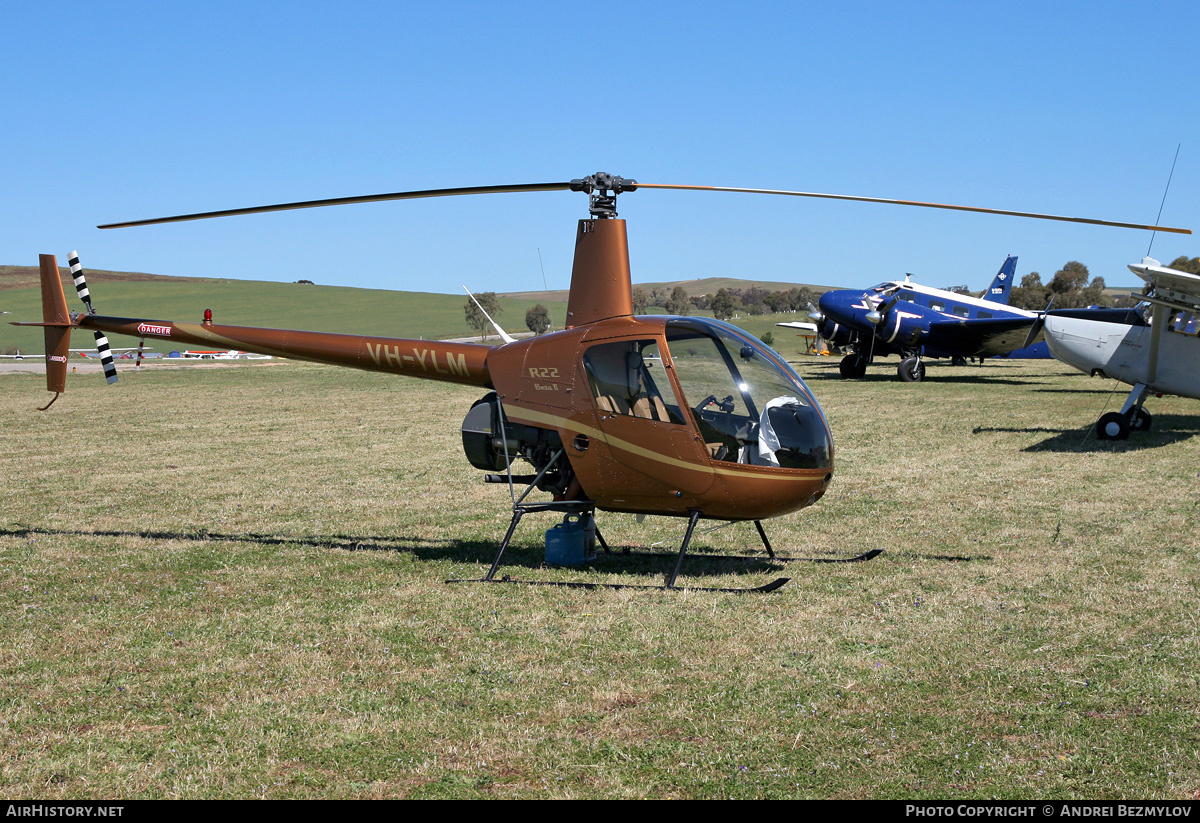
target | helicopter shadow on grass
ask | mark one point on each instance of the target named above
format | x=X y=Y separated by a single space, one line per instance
x=426 y=549
x=637 y=562
x=1168 y=429
x=889 y=376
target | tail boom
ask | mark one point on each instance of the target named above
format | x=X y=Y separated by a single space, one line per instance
x=464 y=363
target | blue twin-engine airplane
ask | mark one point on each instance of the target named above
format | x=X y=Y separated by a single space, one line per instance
x=916 y=322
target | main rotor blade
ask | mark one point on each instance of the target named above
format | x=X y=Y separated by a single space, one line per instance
x=342 y=201
x=918 y=203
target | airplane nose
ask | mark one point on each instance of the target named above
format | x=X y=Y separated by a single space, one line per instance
x=837 y=304
x=827 y=302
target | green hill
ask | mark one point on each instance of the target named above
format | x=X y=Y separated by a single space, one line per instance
x=254 y=303
x=289 y=305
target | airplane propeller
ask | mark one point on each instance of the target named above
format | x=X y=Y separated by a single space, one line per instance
x=1036 y=328
x=878 y=316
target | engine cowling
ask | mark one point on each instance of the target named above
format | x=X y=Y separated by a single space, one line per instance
x=905 y=323
x=492 y=442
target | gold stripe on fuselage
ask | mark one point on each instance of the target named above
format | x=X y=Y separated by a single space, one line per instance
x=525 y=415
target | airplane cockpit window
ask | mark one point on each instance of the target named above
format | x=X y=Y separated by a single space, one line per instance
x=1183 y=322
x=749 y=405
x=962 y=311
x=885 y=289
x=628 y=378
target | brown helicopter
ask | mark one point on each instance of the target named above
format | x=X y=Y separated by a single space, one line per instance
x=679 y=416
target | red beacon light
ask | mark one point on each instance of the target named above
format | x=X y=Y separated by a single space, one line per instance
x=208 y=317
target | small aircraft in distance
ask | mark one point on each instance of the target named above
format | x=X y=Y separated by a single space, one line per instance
x=1153 y=347
x=125 y=352
x=17 y=356
x=807 y=331
x=915 y=321
x=224 y=354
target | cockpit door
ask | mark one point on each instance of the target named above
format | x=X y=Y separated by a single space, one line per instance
x=638 y=411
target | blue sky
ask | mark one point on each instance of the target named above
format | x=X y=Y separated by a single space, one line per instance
x=120 y=111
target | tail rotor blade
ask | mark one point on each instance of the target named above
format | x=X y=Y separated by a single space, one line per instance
x=106 y=357
x=80 y=281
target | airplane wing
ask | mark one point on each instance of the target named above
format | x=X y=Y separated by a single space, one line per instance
x=1170 y=284
x=979 y=338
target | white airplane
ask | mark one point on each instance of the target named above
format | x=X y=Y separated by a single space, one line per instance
x=95 y=353
x=1154 y=347
x=807 y=331
x=222 y=354
x=18 y=355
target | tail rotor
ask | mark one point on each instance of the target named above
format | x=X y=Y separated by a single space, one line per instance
x=106 y=357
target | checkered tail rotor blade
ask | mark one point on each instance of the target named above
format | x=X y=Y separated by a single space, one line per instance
x=106 y=357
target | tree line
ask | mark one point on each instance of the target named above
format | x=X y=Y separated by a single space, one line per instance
x=1072 y=287
x=725 y=303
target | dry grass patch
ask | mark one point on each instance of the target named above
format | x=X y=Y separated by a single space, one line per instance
x=229 y=583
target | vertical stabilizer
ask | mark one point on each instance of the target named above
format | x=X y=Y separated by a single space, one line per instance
x=57 y=322
x=1002 y=284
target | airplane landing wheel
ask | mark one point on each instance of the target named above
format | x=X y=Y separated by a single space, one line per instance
x=853 y=366
x=911 y=370
x=1140 y=420
x=1112 y=426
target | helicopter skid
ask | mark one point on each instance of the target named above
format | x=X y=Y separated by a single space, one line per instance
x=858 y=558
x=777 y=583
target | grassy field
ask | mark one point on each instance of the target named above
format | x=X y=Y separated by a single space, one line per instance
x=228 y=582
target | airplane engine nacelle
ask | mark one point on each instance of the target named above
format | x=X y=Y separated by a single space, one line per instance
x=905 y=323
x=837 y=334
x=491 y=442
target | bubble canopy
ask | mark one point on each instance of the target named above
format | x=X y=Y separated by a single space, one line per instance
x=750 y=405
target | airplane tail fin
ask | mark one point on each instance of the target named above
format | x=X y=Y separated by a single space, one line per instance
x=1002 y=284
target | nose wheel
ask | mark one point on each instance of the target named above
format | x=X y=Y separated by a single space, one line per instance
x=1131 y=418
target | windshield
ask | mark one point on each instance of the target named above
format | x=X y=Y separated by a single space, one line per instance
x=750 y=405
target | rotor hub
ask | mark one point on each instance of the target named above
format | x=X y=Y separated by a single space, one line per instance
x=602 y=189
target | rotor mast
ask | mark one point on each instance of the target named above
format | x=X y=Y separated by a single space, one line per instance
x=601 y=286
